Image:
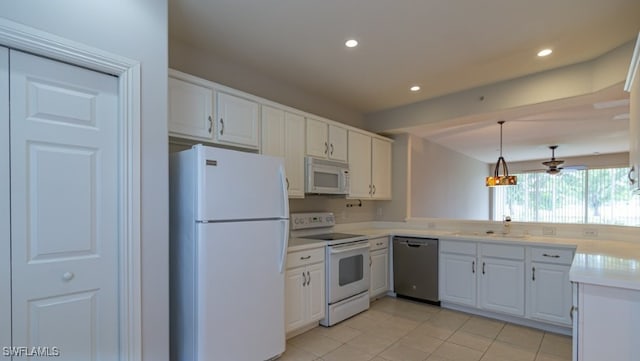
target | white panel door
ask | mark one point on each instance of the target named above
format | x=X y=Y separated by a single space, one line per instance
x=273 y=142
x=294 y=154
x=502 y=286
x=359 y=165
x=337 y=143
x=295 y=300
x=64 y=208
x=317 y=138
x=190 y=110
x=238 y=121
x=458 y=279
x=5 y=209
x=381 y=168
x=550 y=296
x=379 y=272
x=316 y=300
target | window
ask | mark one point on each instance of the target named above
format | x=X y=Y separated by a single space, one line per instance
x=593 y=196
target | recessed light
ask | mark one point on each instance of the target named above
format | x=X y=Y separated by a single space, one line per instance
x=545 y=52
x=414 y=88
x=351 y=43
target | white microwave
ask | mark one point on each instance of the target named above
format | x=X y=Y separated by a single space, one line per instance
x=325 y=176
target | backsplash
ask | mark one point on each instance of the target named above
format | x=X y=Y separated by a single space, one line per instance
x=355 y=213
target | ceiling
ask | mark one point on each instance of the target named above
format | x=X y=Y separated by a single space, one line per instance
x=442 y=45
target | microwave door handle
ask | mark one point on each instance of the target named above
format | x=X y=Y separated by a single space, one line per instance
x=338 y=250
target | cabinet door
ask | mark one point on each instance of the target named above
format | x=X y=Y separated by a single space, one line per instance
x=379 y=272
x=295 y=298
x=359 y=165
x=317 y=141
x=190 y=112
x=237 y=121
x=550 y=293
x=294 y=154
x=381 y=168
x=458 y=279
x=316 y=302
x=502 y=285
x=273 y=133
x=337 y=143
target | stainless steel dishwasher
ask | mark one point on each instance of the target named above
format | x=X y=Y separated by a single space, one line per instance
x=415 y=268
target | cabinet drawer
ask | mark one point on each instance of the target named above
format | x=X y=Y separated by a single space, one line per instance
x=502 y=251
x=458 y=247
x=379 y=243
x=552 y=255
x=301 y=258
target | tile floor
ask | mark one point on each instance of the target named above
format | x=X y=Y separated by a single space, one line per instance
x=401 y=330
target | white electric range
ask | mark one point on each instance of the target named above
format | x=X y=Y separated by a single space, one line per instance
x=347 y=264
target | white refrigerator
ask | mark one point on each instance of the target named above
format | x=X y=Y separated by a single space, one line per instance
x=229 y=231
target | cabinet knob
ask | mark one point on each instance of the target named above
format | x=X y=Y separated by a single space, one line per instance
x=67 y=276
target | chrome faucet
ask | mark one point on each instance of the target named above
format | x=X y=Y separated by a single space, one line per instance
x=506 y=225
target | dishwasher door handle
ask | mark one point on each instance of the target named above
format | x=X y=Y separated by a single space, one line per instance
x=415 y=245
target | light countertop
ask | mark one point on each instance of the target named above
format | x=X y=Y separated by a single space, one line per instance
x=301 y=244
x=599 y=262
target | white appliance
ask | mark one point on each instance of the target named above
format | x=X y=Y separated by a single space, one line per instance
x=326 y=176
x=229 y=231
x=347 y=266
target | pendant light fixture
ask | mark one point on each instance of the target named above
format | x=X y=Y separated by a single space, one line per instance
x=505 y=179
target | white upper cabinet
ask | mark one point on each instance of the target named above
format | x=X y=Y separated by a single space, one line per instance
x=381 y=168
x=337 y=143
x=283 y=136
x=369 y=166
x=359 y=165
x=190 y=109
x=326 y=140
x=237 y=121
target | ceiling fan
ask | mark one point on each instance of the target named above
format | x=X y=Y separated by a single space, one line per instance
x=553 y=165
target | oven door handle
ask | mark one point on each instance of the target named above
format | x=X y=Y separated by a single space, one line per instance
x=344 y=249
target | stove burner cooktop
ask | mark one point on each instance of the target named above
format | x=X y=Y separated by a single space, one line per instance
x=333 y=236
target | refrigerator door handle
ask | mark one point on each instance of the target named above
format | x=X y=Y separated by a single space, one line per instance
x=285 y=195
x=285 y=244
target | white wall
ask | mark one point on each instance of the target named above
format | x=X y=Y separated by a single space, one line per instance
x=136 y=29
x=215 y=68
x=446 y=184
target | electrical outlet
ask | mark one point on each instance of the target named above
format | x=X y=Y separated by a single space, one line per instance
x=548 y=231
x=431 y=225
x=379 y=211
x=590 y=232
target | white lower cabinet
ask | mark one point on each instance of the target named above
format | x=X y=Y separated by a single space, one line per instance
x=518 y=280
x=457 y=272
x=502 y=285
x=549 y=297
x=379 y=263
x=304 y=288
